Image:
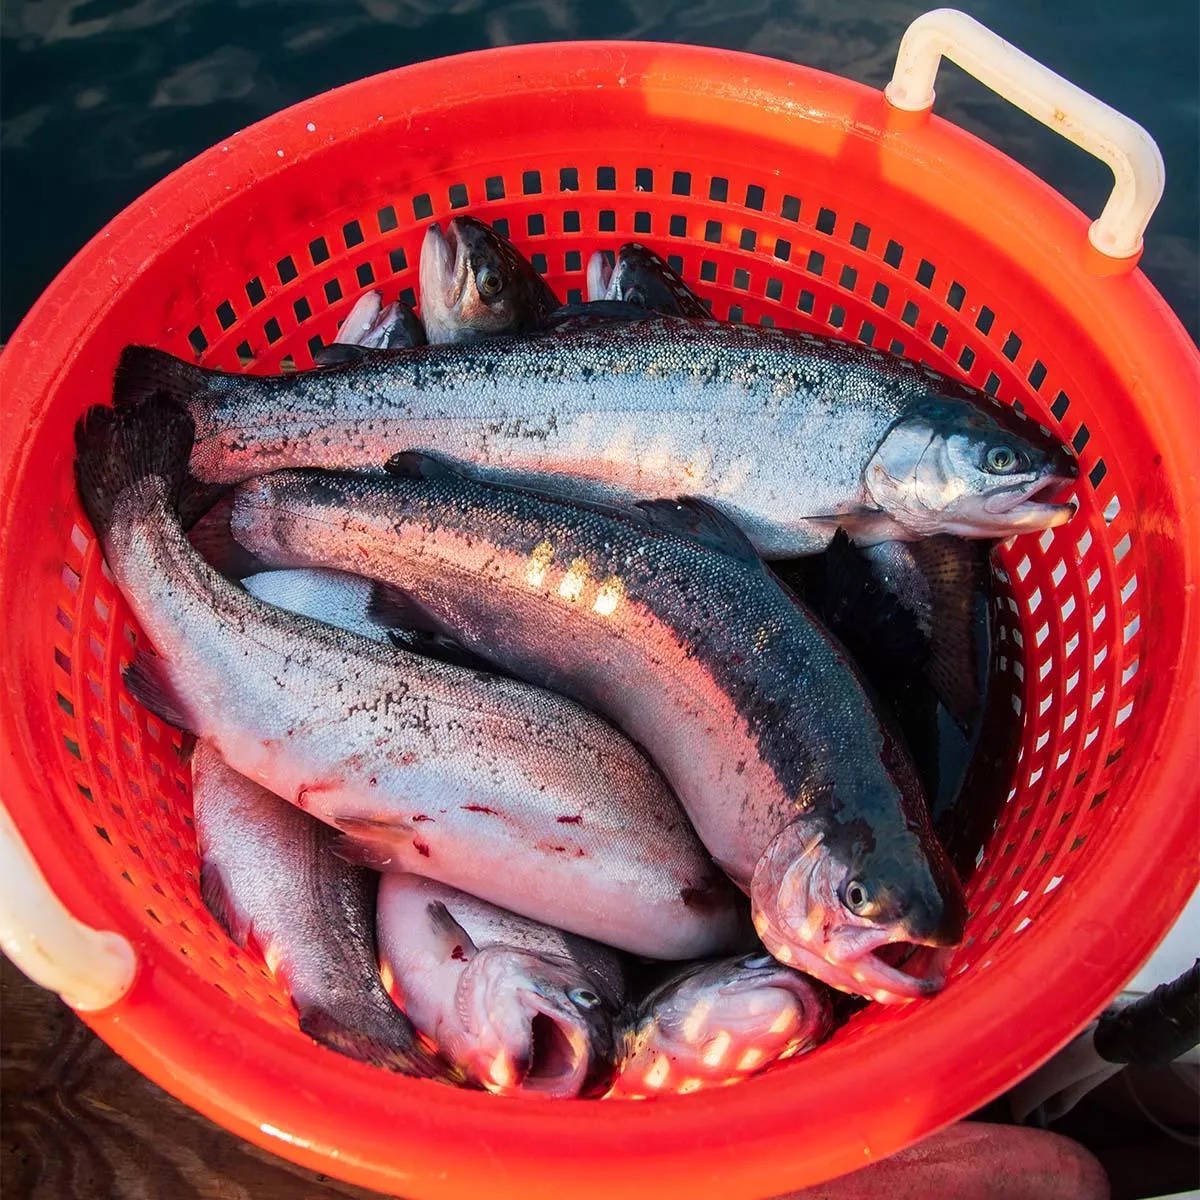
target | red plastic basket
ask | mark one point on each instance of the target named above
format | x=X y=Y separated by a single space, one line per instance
x=791 y=197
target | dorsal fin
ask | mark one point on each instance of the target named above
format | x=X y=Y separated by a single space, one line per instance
x=693 y=518
x=417 y=464
x=455 y=940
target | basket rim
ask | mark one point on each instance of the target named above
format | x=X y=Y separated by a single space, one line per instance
x=423 y=1141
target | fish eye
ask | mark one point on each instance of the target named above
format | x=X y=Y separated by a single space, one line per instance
x=1001 y=459
x=857 y=898
x=584 y=998
x=488 y=281
x=635 y=295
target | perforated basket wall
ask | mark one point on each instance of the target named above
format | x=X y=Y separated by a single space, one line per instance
x=787 y=198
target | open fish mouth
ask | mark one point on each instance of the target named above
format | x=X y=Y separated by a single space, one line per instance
x=557 y=1057
x=443 y=260
x=858 y=965
x=1032 y=506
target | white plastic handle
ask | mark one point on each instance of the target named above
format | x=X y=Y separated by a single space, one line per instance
x=1112 y=137
x=89 y=968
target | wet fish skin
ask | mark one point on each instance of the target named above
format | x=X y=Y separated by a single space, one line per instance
x=666 y=622
x=518 y=1005
x=476 y=284
x=641 y=277
x=712 y=1023
x=474 y=779
x=269 y=876
x=788 y=434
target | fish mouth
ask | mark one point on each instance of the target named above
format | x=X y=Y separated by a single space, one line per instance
x=599 y=276
x=443 y=264
x=558 y=1056
x=854 y=962
x=1031 y=506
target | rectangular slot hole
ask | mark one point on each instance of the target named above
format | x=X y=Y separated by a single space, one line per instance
x=608 y=221
x=755 y=196
x=783 y=249
x=535 y=225
x=272 y=330
x=879 y=295
x=285 y=268
x=1059 y=407
x=925 y=273
x=643 y=179
x=493 y=187
x=225 y=314
x=789 y=210
x=1037 y=375
x=302 y=309
x=386 y=219
x=816 y=262
x=318 y=251
x=364 y=274
x=966 y=359
x=352 y=234
x=458 y=195
x=708 y=271
x=826 y=220
x=571 y=222
x=255 y=292
x=712 y=231
x=531 y=182
x=860 y=236
x=198 y=341
x=681 y=183
x=718 y=190
x=573 y=261
x=774 y=289
x=910 y=314
x=333 y=291
x=736 y=315
x=985 y=320
x=678 y=226
x=956 y=296
x=422 y=207
x=894 y=254
x=939 y=335
x=606 y=179
x=848 y=278
x=748 y=239
x=397 y=260
x=806 y=302
x=1082 y=437
x=991 y=384
x=741 y=279
x=1011 y=347
x=568 y=179
x=837 y=316
x=641 y=222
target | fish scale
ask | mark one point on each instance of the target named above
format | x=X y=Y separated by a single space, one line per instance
x=753 y=713
x=786 y=426
x=424 y=766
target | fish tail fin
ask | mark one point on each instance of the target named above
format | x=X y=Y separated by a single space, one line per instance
x=144 y=371
x=119 y=450
x=381 y=1039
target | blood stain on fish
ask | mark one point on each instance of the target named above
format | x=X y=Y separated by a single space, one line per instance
x=458 y=954
x=422 y=817
x=480 y=808
x=421 y=848
x=575 y=820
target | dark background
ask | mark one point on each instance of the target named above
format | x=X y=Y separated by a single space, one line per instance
x=101 y=98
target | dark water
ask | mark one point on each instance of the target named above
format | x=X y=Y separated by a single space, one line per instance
x=101 y=98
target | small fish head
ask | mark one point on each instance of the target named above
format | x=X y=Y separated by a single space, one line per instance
x=954 y=466
x=727 y=1019
x=475 y=284
x=538 y=1023
x=641 y=277
x=830 y=911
